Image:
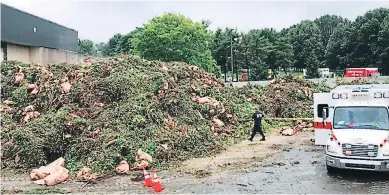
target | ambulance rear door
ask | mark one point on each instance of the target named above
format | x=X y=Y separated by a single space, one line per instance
x=322 y=131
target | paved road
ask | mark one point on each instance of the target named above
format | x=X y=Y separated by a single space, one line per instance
x=300 y=170
x=296 y=169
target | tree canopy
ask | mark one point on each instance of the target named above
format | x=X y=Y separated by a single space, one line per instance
x=329 y=41
x=86 y=47
x=172 y=37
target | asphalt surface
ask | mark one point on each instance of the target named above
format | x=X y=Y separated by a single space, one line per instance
x=299 y=170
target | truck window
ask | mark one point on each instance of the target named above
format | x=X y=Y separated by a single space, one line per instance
x=320 y=108
x=361 y=117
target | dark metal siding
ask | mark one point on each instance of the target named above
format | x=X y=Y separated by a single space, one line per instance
x=18 y=27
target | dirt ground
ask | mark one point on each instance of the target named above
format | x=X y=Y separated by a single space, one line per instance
x=242 y=155
x=237 y=157
x=282 y=164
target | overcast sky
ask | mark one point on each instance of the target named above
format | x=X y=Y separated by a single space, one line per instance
x=100 y=20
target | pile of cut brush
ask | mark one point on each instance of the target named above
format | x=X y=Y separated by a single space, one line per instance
x=296 y=127
x=356 y=81
x=102 y=112
x=290 y=97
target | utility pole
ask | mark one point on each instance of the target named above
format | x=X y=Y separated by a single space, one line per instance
x=232 y=60
x=225 y=71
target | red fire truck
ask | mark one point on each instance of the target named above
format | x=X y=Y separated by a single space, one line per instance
x=362 y=72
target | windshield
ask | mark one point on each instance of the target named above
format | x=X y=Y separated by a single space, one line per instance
x=361 y=118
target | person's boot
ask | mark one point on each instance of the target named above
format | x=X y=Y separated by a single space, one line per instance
x=263 y=139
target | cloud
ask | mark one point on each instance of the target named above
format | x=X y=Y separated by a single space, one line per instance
x=100 y=20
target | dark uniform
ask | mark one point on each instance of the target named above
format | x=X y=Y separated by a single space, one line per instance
x=257 y=117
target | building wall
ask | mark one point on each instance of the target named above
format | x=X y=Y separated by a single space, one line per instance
x=41 y=55
x=22 y=28
x=1 y=55
x=73 y=57
x=56 y=56
x=36 y=55
x=18 y=53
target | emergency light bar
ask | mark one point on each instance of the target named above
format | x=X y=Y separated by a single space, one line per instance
x=345 y=95
x=377 y=95
x=341 y=96
x=380 y=95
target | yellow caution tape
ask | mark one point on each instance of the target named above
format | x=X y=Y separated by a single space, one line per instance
x=280 y=119
x=287 y=119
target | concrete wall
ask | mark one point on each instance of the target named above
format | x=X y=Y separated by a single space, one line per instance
x=18 y=53
x=56 y=56
x=1 y=55
x=41 y=55
x=73 y=57
x=36 y=55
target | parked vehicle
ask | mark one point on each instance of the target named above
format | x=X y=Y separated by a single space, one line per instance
x=352 y=121
x=362 y=72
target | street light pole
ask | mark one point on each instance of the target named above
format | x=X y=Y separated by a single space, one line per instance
x=232 y=60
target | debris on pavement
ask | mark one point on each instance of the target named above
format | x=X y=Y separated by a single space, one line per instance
x=86 y=175
x=298 y=126
x=143 y=160
x=123 y=167
x=52 y=174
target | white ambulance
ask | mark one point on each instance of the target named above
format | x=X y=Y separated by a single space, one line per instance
x=352 y=122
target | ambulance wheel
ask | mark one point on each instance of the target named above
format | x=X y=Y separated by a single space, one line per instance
x=331 y=170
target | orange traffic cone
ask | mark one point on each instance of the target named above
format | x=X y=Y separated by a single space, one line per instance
x=148 y=181
x=157 y=186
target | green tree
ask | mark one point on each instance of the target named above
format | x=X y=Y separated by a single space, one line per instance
x=257 y=48
x=206 y=23
x=383 y=45
x=100 y=48
x=337 y=48
x=86 y=47
x=327 y=25
x=172 y=37
x=125 y=46
x=113 y=46
x=283 y=53
x=223 y=40
x=364 y=41
x=271 y=36
x=307 y=41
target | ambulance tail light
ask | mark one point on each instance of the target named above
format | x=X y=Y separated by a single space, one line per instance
x=341 y=96
x=377 y=95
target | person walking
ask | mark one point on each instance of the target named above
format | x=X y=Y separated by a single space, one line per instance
x=257 y=117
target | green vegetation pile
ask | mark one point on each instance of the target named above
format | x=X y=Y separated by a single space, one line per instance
x=290 y=97
x=102 y=112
